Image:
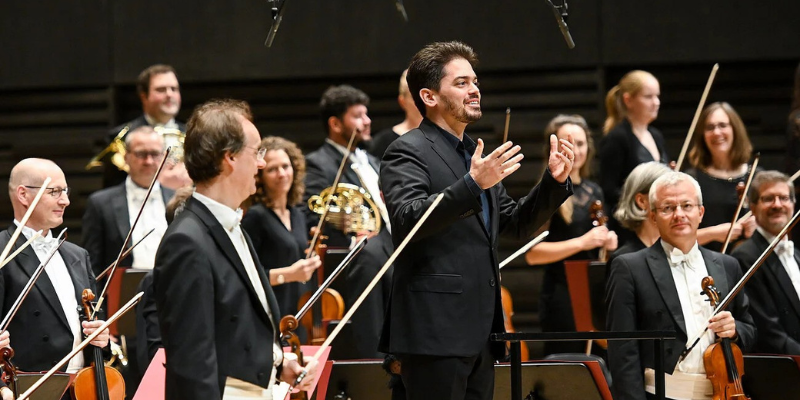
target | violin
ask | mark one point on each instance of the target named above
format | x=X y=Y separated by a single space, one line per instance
x=96 y=382
x=330 y=306
x=723 y=359
x=599 y=218
x=508 y=312
x=8 y=369
x=287 y=327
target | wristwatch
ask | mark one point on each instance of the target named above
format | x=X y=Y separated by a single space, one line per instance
x=280 y=279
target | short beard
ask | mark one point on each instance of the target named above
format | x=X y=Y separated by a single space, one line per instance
x=461 y=114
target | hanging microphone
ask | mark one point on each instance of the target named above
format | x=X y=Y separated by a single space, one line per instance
x=277 y=17
x=401 y=9
x=560 y=13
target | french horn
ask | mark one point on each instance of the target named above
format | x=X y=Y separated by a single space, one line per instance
x=351 y=208
x=116 y=149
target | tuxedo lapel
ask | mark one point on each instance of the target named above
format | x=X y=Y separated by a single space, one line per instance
x=662 y=275
x=122 y=218
x=348 y=175
x=224 y=243
x=717 y=271
x=774 y=267
x=272 y=301
x=27 y=261
x=444 y=150
x=80 y=280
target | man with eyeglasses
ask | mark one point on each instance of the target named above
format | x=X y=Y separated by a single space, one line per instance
x=659 y=289
x=47 y=326
x=774 y=290
x=110 y=212
x=218 y=316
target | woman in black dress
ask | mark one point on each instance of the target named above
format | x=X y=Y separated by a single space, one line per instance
x=629 y=140
x=276 y=224
x=572 y=235
x=634 y=206
x=719 y=158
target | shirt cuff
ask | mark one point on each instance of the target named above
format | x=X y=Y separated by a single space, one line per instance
x=472 y=185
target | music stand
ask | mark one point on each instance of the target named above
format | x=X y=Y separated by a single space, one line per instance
x=553 y=380
x=52 y=389
x=363 y=379
x=768 y=377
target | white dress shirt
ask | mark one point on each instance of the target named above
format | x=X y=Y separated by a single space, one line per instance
x=229 y=219
x=785 y=252
x=153 y=217
x=368 y=177
x=56 y=271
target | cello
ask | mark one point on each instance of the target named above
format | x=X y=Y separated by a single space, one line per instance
x=723 y=360
x=96 y=381
x=330 y=306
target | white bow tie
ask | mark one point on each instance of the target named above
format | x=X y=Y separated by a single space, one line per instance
x=46 y=244
x=676 y=258
x=785 y=247
x=138 y=195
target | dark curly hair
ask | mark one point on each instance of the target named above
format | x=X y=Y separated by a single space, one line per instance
x=337 y=100
x=298 y=166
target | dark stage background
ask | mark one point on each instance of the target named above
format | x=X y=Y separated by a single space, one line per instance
x=67 y=71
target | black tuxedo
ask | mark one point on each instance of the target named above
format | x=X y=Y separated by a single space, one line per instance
x=641 y=295
x=106 y=223
x=321 y=167
x=445 y=297
x=111 y=174
x=212 y=323
x=40 y=333
x=773 y=299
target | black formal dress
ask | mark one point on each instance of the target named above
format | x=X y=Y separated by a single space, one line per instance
x=555 y=306
x=620 y=152
x=213 y=325
x=774 y=302
x=720 y=200
x=445 y=298
x=278 y=247
x=106 y=223
x=381 y=142
x=40 y=333
x=641 y=295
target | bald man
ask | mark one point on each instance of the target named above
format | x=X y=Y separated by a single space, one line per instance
x=47 y=326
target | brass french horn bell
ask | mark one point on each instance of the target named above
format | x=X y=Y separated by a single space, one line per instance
x=172 y=138
x=351 y=209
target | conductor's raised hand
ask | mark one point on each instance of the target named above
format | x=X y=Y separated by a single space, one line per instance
x=562 y=157
x=490 y=170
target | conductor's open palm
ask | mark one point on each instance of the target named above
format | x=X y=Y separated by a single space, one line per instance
x=561 y=160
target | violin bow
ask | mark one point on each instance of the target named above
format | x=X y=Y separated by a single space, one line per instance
x=322 y=217
x=24 y=221
x=127 y=307
x=357 y=303
x=508 y=123
x=16 y=252
x=739 y=285
x=125 y=254
x=101 y=297
x=524 y=249
x=741 y=202
x=749 y=213
x=696 y=116
x=327 y=283
x=28 y=286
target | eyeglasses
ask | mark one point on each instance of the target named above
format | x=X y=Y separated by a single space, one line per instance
x=143 y=154
x=769 y=200
x=670 y=209
x=721 y=126
x=54 y=191
x=260 y=152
